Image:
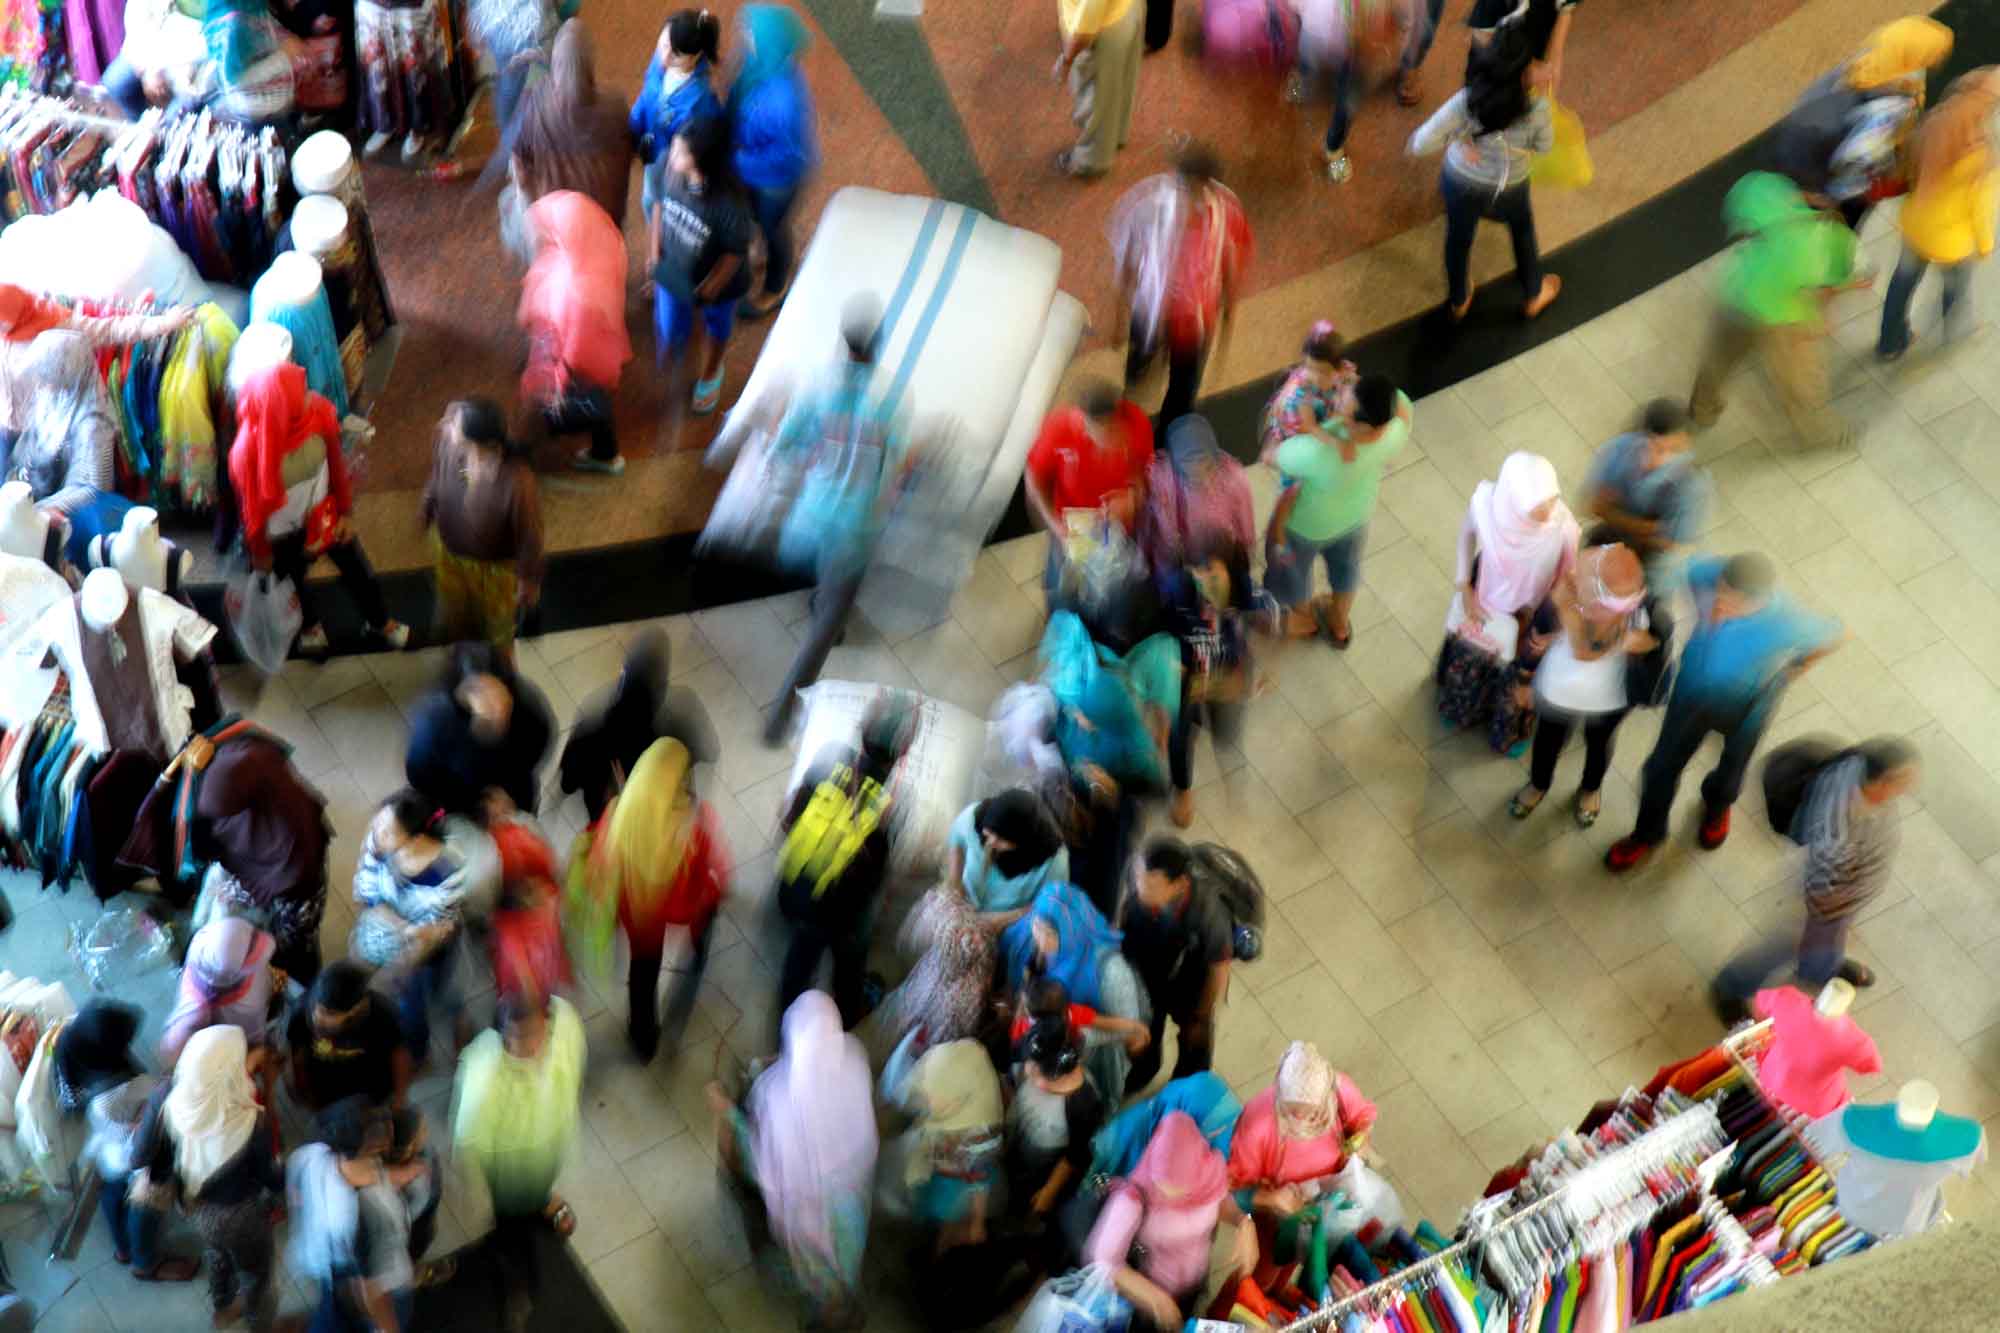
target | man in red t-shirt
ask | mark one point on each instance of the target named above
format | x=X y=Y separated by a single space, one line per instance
x=1182 y=243
x=1092 y=457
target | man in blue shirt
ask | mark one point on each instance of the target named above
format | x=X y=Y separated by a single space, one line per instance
x=1748 y=642
x=1644 y=486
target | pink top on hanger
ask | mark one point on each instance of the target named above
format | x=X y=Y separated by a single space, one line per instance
x=1808 y=1052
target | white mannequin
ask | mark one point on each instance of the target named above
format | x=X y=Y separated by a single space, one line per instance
x=139 y=555
x=261 y=347
x=103 y=599
x=293 y=279
x=24 y=529
x=1834 y=998
x=1916 y=1105
x=319 y=224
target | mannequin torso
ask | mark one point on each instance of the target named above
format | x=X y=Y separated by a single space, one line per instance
x=24 y=529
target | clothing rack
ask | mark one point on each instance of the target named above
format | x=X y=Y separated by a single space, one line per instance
x=1737 y=1242
x=1585 y=1194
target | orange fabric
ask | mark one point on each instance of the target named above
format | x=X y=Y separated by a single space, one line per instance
x=573 y=299
x=24 y=315
x=1699 y=1072
x=275 y=414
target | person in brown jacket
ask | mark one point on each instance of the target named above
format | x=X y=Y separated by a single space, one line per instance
x=567 y=135
x=486 y=516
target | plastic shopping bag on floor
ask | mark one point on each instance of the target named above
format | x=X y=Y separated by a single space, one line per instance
x=265 y=616
x=1081 y=1302
x=1360 y=1203
x=1566 y=166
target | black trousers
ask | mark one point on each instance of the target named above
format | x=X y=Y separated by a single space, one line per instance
x=585 y=410
x=1196 y=1053
x=290 y=561
x=1682 y=731
x=1159 y=23
x=811 y=942
x=1184 y=366
x=1224 y=719
x=830 y=604
x=642 y=990
x=1552 y=730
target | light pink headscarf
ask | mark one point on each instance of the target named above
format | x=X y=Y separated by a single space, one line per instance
x=812 y=1122
x=1518 y=557
x=1180 y=1168
x=227 y=979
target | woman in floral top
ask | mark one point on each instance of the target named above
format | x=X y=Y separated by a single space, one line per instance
x=1319 y=391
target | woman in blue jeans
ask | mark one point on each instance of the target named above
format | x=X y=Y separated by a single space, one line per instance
x=772 y=125
x=1947 y=220
x=1490 y=132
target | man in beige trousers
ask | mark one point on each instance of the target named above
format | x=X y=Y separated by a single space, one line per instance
x=1102 y=43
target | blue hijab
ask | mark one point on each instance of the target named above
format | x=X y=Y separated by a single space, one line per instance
x=1083 y=938
x=778 y=37
x=1094 y=683
x=1118 y=1146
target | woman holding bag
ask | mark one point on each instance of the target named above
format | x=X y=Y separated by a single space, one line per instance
x=1170 y=1207
x=1611 y=635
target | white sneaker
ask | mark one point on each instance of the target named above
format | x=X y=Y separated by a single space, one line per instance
x=377 y=142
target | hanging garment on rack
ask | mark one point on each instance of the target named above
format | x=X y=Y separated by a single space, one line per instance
x=132 y=700
x=406 y=54
x=96 y=32
x=191 y=382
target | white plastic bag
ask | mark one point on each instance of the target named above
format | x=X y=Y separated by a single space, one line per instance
x=265 y=616
x=1084 y=1301
x=1366 y=1201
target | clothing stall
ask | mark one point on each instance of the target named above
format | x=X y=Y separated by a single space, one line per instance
x=1670 y=1198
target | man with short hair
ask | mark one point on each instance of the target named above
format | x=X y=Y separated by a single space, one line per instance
x=1644 y=486
x=345 y=1042
x=1101 y=47
x=1092 y=457
x=1181 y=242
x=1323 y=512
x=1748 y=642
x=1180 y=942
x=1849 y=828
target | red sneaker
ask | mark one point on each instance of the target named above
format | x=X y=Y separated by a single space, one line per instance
x=1627 y=854
x=1714 y=828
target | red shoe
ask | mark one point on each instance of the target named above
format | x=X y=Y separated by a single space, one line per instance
x=1714 y=828
x=1627 y=854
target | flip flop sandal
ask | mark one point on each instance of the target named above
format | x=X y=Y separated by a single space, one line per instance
x=1324 y=619
x=562 y=1219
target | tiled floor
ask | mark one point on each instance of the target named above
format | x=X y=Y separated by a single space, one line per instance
x=1482 y=979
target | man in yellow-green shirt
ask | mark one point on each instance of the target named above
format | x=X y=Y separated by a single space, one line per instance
x=1102 y=43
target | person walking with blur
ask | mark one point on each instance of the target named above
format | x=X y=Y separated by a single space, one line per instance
x=1331 y=482
x=485 y=515
x=1850 y=828
x=1788 y=260
x=1182 y=246
x=1644 y=489
x=615 y=727
x=1747 y=643
x=773 y=127
x=1947 y=220
x=1608 y=656
x=482 y=733
x=572 y=310
x=1490 y=133
x=1842 y=142
x=569 y=135
x=1316 y=393
x=1102 y=42
x=1090 y=462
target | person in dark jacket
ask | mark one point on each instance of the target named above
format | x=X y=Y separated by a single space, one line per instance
x=482 y=730
x=619 y=725
x=211 y=1143
x=1841 y=140
x=772 y=121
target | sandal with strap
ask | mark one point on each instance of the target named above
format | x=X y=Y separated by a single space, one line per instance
x=562 y=1218
x=1520 y=808
x=1587 y=815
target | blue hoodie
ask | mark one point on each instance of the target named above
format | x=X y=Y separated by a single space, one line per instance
x=656 y=119
x=770 y=106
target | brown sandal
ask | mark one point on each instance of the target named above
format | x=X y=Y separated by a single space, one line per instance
x=561 y=1217
x=177 y=1269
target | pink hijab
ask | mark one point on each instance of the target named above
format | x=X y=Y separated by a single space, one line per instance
x=1180 y=1169
x=1519 y=557
x=812 y=1123
x=226 y=980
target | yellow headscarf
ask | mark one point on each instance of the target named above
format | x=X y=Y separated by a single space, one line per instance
x=651 y=820
x=1897 y=50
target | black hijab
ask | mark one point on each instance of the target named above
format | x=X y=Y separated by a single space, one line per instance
x=1019 y=817
x=94 y=1052
x=452 y=764
x=618 y=727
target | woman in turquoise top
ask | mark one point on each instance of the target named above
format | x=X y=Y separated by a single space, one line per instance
x=1003 y=850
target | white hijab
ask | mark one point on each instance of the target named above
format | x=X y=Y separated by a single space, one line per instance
x=1518 y=556
x=212 y=1109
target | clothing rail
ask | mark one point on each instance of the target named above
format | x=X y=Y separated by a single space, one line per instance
x=66 y=110
x=1736 y=1241
x=1587 y=1186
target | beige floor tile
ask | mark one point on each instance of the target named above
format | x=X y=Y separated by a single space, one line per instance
x=1551 y=1073
x=1662 y=981
x=1959 y=793
x=1591 y=1008
x=1410 y=585
x=1501 y=1141
x=1753 y=483
x=1427 y=1155
x=1634 y=1066
x=1314 y=679
x=1970 y=435
x=753 y=643
x=1466 y=971
x=1966 y=517
x=1315 y=1009
x=1445 y=1059
x=1965 y=607
x=1906 y=456
x=1901 y=544
x=679 y=1185
x=1248 y=1042
x=368 y=735
x=1499 y=393
x=1484 y=878
x=1372 y=855
x=1370 y=966
x=1301 y=770
x=1544 y=430
x=614 y=1216
x=1960 y=995
x=1398 y=779
x=1944 y=681
x=1874 y=609
x=1430 y=507
x=1022 y=557
x=650 y=1288
x=1961 y=895
x=1285 y=954
x=1616 y=922
x=1863 y=691
x=621 y=1102
x=1926 y=386
x=992 y=609
x=1913 y=1045
x=948 y=665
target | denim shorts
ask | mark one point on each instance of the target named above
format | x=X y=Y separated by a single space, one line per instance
x=673 y=319
x=1291 y=581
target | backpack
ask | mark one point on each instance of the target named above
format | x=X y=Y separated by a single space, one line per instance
x=1225 y=877
x=1789 y=774
x=843 y=813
